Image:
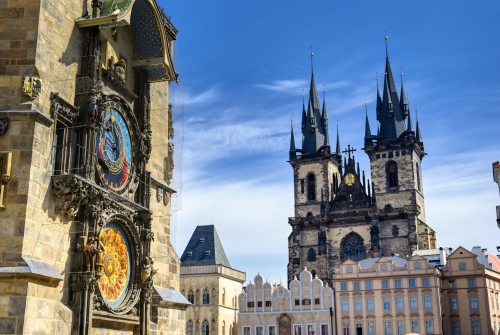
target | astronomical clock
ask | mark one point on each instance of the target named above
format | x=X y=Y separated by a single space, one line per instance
x=101 y=181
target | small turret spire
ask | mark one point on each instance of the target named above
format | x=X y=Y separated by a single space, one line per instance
x=338 y=151
x=410 y=123
x=304 y=117
x=324 y=117
x=418 y=135
x=368 y=133
x=403 y=99
x=292 y=138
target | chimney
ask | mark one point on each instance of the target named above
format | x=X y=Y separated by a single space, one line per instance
x=442 y=256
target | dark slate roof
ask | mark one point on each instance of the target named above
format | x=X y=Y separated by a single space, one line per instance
x=198 y=248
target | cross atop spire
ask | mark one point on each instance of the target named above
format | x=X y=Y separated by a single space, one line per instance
x=349 y=150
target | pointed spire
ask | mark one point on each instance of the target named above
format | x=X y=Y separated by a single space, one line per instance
x=403 y=99
x=324 y=117
x=418 y=135
x=368 y=133
x=379 y=103
x=292 y=139
x=386 y=45
x=304 y=117
x=410 y=123
x=338 y=151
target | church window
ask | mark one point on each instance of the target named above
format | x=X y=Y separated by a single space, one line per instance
x=311 y=187
x=309 y=215
x=205 y=328
x=191 y=296
x=313 y=273
x=223 y=296
x=206 y=297
x=311 y=255
x=190 y=328
x=302 y=186
x=392 y=174
x=197 y=297
x=352 y=247
x=395 y=230
x=418 y=177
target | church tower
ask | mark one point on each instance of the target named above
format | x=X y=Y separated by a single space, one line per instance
x=396 y=154
x=339 y=213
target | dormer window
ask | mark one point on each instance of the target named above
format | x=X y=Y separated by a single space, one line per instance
x=383 y=267
x=207 y=253
x=202 y=239
x=190 y=253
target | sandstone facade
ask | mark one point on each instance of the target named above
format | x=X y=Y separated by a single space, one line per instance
x=41 y=271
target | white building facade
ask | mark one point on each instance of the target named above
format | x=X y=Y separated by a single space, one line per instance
x=306 y=308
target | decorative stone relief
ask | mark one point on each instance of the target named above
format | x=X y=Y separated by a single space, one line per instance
x=69 y=194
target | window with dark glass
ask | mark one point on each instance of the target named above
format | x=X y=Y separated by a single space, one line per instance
x=311 y=255
x=259 y=303
x=425 y=282
x=311 y=187
x=357 y=285
x=250 y=304
x=471 y=282
x=191 y=297
x=393 y=175
x=206 y=297
x=368 y=285
x=397 y=283
x=453 y=303
x=205 y=328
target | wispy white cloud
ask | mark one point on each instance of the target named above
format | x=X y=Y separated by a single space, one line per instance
x=291 y=86
x=204 y=97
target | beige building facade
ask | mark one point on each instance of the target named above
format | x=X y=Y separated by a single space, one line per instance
x=471 y=294
x=86 y=147
x=210 y=284
x=305 y=308
x=388 y=296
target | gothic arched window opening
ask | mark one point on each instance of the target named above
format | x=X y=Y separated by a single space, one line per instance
x=205 y=328
x=311 y=187
x=191 y=296
x=392 y=174
x=190 y=328
x=418 y=178
x=206 y=297
x=313 y=273
x=352 y=247
x=311 y=255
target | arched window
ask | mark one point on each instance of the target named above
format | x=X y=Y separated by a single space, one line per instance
x=205 y=328
x=223 y=296
x=313 y=272
x=214 y=296
x=311 y=255
x=206 y=297
x=189 y=328
x=311 y=187
x=352 y=247
x=392 y=174
x=223 y=327
x=418 y=178
x=191 y=296
x=198 y=297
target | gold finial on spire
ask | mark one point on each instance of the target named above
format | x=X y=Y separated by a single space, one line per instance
x=386 y=43
x=376 y=73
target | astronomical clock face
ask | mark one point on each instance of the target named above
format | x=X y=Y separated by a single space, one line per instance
x=116 y=277
x=114 y=147
x=349 y=179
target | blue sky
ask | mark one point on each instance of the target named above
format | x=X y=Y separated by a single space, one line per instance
x=243 y=65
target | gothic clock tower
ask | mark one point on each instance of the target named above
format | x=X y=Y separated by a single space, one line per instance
x=339 y=213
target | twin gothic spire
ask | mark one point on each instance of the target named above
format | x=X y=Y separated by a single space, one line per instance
x=392 y=111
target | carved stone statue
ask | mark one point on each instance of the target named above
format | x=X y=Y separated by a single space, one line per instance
x=170 y=122
x=99 y=264
x=169 y=163
x=119 y=70
x=93 y=104
x=322 y=242
x=148 y=272
x=90 y=252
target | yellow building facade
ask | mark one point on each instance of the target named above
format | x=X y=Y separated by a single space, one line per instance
x=388 y=296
